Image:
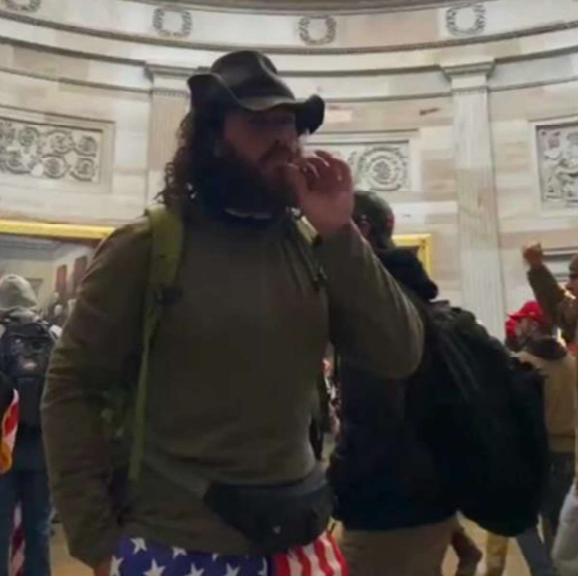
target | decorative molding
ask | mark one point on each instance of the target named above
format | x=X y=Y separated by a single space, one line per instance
x=477 y=12
x=535 y=84
x=469 y=77
x=48 y=151
x=337 y=100
x=558 y=164
x=74 y=81
x=170 y=93
x=317 y=31
x=155 y=69
x=160 y=22
x=480 y=67
x=29 y=6
x=316 y=6
x=383 y=168
x=467 y=91
x=276 y=49
x=376 y=163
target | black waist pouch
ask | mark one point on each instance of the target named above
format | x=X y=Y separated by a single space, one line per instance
x=275 y=518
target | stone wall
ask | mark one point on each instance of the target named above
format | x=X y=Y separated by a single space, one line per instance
x=465 y=117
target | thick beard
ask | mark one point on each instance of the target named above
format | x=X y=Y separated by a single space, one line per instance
x=229 y=183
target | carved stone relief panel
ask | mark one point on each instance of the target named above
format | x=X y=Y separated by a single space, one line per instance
x=29 y=6
x=52 y=152
x=173 y=22
x=466 y=19
x=379 y=166
x=558 y=164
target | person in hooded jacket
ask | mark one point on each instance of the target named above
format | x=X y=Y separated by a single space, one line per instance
x=27 y=481
x=561 y=304
x=398 y=518
x=537 y=345
x=546 y=353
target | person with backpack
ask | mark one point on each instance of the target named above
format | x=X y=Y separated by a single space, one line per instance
x=221 y=473
x=561 y=305
x=397 y=515
x=26 y=343
x=541 y=349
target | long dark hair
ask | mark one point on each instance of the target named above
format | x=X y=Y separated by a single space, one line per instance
x=197 y=138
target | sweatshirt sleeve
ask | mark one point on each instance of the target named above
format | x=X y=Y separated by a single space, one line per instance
x=558 y=303
x=97 y=350
x=373 y=324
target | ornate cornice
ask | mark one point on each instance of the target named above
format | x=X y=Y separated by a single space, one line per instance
x=480 y=67
x=296 y=7
x=273 y=49
x=469 y=77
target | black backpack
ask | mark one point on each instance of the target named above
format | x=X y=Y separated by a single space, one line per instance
x=481 y=413
x=25 y=350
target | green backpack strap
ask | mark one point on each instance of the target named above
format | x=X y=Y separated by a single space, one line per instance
x=167 y=230
x=306 y=230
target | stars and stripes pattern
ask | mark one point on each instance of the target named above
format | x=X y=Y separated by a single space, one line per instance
x=139 y=557
x=9 y=430
x=18 y=547
x=321 y=558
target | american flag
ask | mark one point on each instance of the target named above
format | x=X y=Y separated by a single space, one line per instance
x=9 y=430
x=138 y=557
x=18 y=545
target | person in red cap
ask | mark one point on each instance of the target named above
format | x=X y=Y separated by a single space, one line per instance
x=561 y=303
x=546 y=353
x=532 y=331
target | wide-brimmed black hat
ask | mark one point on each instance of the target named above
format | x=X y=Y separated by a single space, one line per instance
x=249 y=80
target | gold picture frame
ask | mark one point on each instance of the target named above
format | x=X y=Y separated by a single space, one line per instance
x=422 y=243
x=54 y=230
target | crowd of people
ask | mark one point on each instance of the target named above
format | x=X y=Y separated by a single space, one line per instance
x=181 y=421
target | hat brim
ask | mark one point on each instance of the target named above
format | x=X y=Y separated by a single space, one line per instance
x=209 y=93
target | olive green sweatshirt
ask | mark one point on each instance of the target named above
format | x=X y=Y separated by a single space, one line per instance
x=232 y=374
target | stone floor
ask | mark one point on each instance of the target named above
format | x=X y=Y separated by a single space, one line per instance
x=65 y=566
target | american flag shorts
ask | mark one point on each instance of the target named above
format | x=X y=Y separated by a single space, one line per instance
x=139 y=557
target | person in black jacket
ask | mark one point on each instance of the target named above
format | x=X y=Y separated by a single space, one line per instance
x=398 y=518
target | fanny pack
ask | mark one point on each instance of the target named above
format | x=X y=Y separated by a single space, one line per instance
x=278 y=517
x=274 y=518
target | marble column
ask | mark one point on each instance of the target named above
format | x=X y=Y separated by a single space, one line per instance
x=479 y=242
x=169 y=104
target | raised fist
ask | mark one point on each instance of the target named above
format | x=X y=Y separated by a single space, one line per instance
x=534 y=255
